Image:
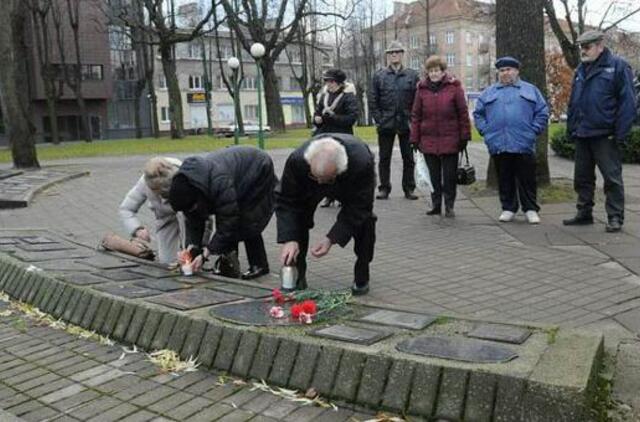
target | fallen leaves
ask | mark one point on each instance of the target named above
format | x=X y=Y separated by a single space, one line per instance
x=169 y=361
x=294 y=395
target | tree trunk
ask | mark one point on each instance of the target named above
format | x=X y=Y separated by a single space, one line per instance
x=308 y=115
x=520 y=33
x=175 y=97
x=14 y=82
x=275 y=116
x=137 y=110
x=52 y=111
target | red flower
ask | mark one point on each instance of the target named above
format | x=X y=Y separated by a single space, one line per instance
x=296 y=310
x=278 y=296
x=309 y=307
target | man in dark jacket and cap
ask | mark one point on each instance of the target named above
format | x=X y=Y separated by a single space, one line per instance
x=336 y=165
x=392 y=92
x=601 y=111
x=236 y=185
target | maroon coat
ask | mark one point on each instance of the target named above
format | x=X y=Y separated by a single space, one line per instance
x=440 y=119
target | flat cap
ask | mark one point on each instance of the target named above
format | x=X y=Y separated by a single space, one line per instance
x=590 y=36
x=507 y=61
x=334 y=75
x=394 y=46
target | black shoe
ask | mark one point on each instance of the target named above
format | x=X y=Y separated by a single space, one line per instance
x=301 y=284
x=384 y=194
x=410 y=195
x=254 y=272
x=328 y=202
x=449 y=213
x=578 y=220
x=359 y=290
x=613 y=226
x=434 y=211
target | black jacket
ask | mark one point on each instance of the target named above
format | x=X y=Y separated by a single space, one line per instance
x=391 y=98
x=345 y=114
x=237 y=186
x=297 y=195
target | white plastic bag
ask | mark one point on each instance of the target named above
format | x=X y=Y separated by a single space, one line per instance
x=421 y=174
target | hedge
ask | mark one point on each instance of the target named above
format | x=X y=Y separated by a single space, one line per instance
x=564 y=147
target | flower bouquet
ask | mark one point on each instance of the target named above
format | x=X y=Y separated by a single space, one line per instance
x=309 y=306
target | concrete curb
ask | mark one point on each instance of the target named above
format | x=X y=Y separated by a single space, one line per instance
x=559 y=388
x=22 y=202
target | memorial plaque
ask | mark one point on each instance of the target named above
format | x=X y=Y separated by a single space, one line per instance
x=356 y=335
x=163 y=285
x=246 y=291
x=52 y=255
x=43 y=247
x=63 y=265
x=154 y=272
x=83 y=279
x=194 y=280
x=502 y=333
x=37 y=240
x=105 y=262
x=460 y=349
x=250 y=313
x=193 y=298
x=119 y=275
x=400 y=319
x=128 y=290
x=8 y=241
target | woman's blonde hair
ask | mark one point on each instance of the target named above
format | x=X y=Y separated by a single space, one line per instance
x=158 y=173
x=434 y=61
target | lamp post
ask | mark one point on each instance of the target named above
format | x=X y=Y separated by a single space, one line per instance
x=234 y=64
x=257 y=51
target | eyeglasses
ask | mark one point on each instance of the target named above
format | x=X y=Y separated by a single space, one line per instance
x=396 y=52
x=587 y=46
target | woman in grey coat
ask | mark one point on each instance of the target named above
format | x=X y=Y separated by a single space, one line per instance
x=153 y=187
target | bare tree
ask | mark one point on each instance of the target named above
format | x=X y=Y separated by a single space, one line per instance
x=14 y=77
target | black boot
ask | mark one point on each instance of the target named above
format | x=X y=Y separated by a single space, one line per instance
x=614 y=225
x=580 y=219
x=410 y=195
x=434 y=211
x=254 y=271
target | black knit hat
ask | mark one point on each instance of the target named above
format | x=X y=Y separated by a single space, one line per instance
x=334 y=75
x=182 y=194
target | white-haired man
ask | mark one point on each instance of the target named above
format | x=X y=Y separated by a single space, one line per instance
x=342 y=167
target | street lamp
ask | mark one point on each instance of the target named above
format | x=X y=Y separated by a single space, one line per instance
x=234 y=64
x=257 y=51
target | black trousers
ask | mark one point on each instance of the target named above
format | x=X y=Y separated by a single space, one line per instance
x=443 y=172
x=256 y=254
x=385 y=144
x=363 y=245
x=517 y=181
x=605 y=154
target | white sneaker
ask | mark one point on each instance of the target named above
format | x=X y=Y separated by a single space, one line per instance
x=532 y=217
x=506 y=216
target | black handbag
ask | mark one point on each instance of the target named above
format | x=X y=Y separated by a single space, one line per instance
x=466 y=174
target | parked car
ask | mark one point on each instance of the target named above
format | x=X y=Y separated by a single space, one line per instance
x=250 y=129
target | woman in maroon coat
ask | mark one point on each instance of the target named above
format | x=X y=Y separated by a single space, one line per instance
x=440 y=129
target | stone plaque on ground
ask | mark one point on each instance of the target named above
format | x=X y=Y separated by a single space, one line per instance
x=8 y=241
x=37 y=240
x=128 y=290
x=163 y=285
x=43 y=247
x=63 y=265
x=105 y=262
x=194 y=298
x=52 y=255
x=461 y=349
x=400 y=319
x=246 y=291
x=193 y=280
x=153 y=272
x=83 y=279
x=499 y=332
x=119 y=275
x=250 y=313
x=357 y=335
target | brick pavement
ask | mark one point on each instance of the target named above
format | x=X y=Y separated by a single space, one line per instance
x=471 y=265
x=69 y=379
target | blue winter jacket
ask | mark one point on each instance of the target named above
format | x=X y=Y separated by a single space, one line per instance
x=602 y=101
x=510 y=117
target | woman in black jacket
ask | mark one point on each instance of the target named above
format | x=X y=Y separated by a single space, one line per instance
x=236 y=185
x=336 y=109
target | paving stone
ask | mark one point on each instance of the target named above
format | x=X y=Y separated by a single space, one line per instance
x=25 y=407
x=84 y=279
x=304 y=414
x=209 y=345
x=135 y=390
x=185 y=410
x=62 y=393
x=396 y=393
x=193 y=339
x=129 y=291
x=62 y=303
x=304 y=366
x=149 y=328
x=481 y=394
x=499 y=332
x=95 y=407
x=75 y=401
x=140 y=416
x=227 y=348
x=171 y=402
x=45 y=247
x=348 y=377
x=152 y=272
x=14 y=400
x=212 y=413
x=183 y=381
x=451 y=396
x=53 y=296
x=239 y=289
x=152 y=396
x=193 y=298
x=462 y=349
x=106 y=262
x=52 y=255
x=118 y=275
x=283 y=362
x=93 y=371
x=62 y=265
x=373 y=379
x=38 y=240
x=115 y=414
x=280 y=410
x=261 y=402
x=90 y=313
x=179 y=333
x=163 y=332
x=326 y=370
x=356 y=335
x=76 y=294
x=400 y=319
x=134 y=328
x=245 y=353
x=630 y=320
x=264 y=356
x=101 y=314
x=81 y=307
x=424 y=390
x=27 y=286
x=49 y=387
x=41 y=414
x=163 y=285
x=509 y=399
x=9 y=269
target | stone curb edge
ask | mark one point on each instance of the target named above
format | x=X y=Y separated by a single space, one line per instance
x=6 y=203
x=363 y=379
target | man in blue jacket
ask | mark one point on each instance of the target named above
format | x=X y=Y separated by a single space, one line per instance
x=510 y=115
x=601 y=111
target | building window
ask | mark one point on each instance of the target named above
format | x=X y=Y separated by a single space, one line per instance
x=469 y=82
x=164 y=114
x=416 y=63
x=195 y=82
x=433 y=39
x=451 y=59
x=295 y=56
x=162 y=82
x=469 y=36
x=414 y=41
x=251 y=111
x=194 y=50
x=450 y=37
x=469 y=60
x=249 y=82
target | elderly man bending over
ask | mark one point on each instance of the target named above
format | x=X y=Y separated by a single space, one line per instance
x=338 y=166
